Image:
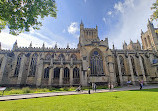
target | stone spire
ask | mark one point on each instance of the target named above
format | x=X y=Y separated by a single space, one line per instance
x=96 y=27
x=56 y=46
x=15 y=45
x=131 y=42
x=142 y=32
x=31 y=44
x=124 y=45
x=81 y=25
x=113 y=46
x=68 y=46
x=43 y=45
x=0 y=46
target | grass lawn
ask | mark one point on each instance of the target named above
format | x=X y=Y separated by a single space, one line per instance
x=144 y=100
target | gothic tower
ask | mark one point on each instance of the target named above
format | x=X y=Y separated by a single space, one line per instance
x=150 y=37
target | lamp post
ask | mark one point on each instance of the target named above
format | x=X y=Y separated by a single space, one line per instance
x=88 y=74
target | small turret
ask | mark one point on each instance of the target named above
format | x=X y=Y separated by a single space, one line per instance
x=142 y=32
x=43 y=45
x=15 y=45
x=56 y=46
x=113 y=46
x=67 y=46
x=0 y=46
x=96 y=27
x=81 y=25
x=31 y=44
x=124 y=45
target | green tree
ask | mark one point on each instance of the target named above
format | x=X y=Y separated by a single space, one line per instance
x=20 y=15
x=154 y=7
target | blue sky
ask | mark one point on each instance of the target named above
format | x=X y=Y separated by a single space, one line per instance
x=118 y=20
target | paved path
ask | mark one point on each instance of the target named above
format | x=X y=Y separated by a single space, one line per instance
x=50 y=94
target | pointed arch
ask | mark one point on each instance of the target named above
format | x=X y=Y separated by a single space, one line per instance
x=74 y=57
x=66 y=73
x=48 y=57
x=46 y=72
x=61 y=57
x=122 y=65
x=96 y=63
x=56 y=72
x=17 y=68
x=76 y=72
x=33 y=64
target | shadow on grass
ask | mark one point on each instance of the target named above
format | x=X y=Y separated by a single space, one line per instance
x=147 y=90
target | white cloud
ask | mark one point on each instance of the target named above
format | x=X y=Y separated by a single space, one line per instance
x=109 y=13
x=104 y=20
x=131 y=21
x=73 y=28
x=122 y=7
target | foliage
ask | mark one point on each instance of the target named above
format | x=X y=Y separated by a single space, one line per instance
x=139 y=100
x=26 y=90
x=154 y=7
x=20 y=15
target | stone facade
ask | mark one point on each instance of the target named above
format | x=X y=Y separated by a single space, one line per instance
x=92 y=61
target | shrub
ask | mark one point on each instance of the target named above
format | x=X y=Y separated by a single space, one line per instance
x=26 y=90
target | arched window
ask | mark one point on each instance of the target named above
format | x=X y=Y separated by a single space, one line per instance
x=18 y=65
x=133 y=66
x=66 y=72
x=122 y=65
x=74 y=57
x=33 y=64
x=76 y=73
x=144 y=66
x=56 y=72
x=48 y=57
x=96 y=63
x=46 y=72
x=61 y=57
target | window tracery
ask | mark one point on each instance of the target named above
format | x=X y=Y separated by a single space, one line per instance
x=16 y=73
x=46 y=72
x=122 y=65
x=61 y=57
x=33 y=65
x=96 y=63
x=76 y=73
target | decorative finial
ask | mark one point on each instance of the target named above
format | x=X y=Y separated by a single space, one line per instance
x=68 y=46
x=56 y=46
x=43 y=45
x=31 y=44
x=0 y=46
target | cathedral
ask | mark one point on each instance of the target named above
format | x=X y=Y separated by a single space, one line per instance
x=91 y=62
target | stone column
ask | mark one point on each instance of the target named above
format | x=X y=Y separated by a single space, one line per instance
x=61 y=76
x=3 y=65
x=131 y=70
x=39 y=71
x=119 y=68
x=51 y=73
x=142 y=69
x=71 y=75
x=21 y=70
x=111 y=73
x=81 y=76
